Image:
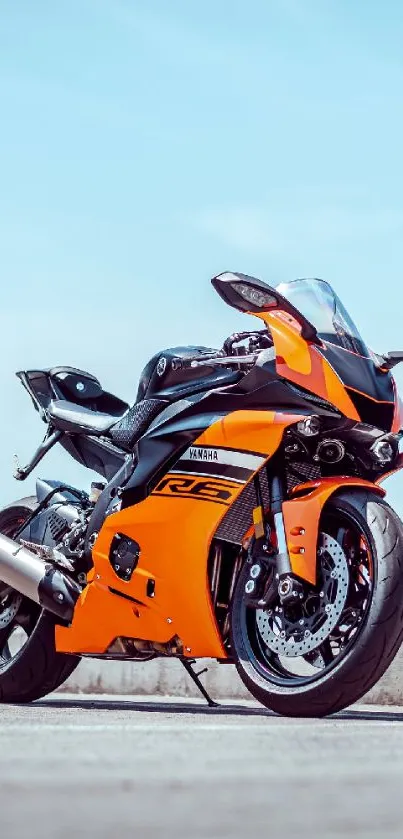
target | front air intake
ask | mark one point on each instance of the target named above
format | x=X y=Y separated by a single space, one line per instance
x=378 y=414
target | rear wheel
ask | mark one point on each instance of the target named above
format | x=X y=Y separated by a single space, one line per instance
x=30 y=667
x=324 y=653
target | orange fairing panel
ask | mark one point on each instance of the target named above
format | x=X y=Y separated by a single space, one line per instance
x=249 y=431
x=301 y=362
x=174 y=527
x=397 y=424
x=301 y=520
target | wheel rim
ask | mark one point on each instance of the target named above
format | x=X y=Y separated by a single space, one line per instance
x=306 y=663
x=18 y=614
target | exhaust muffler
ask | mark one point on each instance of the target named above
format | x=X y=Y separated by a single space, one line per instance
x=38 y=580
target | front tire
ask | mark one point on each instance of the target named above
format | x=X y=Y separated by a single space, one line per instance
x=30 y=667
x=375 y=640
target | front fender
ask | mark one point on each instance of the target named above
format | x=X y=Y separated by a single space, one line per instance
x=301 y=519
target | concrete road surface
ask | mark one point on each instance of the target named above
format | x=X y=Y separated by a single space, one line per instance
x=95 y=767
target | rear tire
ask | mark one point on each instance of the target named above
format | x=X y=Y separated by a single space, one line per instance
x=36 y=669
x=374 y=646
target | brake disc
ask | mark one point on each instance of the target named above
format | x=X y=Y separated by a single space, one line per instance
x=291 y=635
x=10 y=602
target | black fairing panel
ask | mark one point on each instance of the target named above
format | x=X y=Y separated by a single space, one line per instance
x=370 y=389
x=76 y=385
x=360 y=373
x=106 y=502
x=379 y=414
x=160 y=380
x=49 y=524
x=99 y=455
x=156 y=456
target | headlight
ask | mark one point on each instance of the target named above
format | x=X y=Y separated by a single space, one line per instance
x=309 y=427
x=382 y=451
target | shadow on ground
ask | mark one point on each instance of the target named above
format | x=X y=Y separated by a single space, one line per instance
x=192 y=708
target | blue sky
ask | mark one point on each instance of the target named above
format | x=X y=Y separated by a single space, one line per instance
x=146 y=146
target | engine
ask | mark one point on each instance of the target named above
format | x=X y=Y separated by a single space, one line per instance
x=60 y=527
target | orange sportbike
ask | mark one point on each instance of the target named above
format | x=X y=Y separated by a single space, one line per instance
x=240 y=515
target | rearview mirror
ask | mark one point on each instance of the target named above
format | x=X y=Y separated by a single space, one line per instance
x=390 y=359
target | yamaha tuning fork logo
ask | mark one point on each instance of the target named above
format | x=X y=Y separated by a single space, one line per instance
x=161 y=366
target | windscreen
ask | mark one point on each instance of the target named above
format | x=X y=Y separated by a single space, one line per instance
x=317 y=301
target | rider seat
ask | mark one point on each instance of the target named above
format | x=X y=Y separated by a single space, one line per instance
x=124 y=432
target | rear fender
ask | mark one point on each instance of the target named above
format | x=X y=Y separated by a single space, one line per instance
x=301 y=519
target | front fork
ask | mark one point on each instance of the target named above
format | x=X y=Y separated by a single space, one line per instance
x=297 y=534
x=267 y=563
x=283 y=563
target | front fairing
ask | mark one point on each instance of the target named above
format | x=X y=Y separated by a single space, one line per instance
x=305 y=365
x=367 y=387
x=318 y=347
x=371 y=390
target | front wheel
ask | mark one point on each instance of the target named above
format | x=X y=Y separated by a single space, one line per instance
x=326 y=652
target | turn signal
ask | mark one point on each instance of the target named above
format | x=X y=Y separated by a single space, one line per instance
x=383 y=451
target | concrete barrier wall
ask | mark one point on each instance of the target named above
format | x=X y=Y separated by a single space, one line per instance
x=167 y=677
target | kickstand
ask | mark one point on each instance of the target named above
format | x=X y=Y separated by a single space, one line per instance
x=188 y=665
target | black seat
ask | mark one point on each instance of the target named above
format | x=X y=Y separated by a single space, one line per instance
x=68 y=416
x=124 y=432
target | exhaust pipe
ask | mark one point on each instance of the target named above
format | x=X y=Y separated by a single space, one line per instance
x=38 y=580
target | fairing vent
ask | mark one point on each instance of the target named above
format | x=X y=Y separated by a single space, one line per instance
x=299 y=473
x=57 y=526
x=378 y=414
x=239 y=517
x=238 y=520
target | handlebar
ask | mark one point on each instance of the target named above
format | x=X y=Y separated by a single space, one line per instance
x=226 y=361
x=229 y=355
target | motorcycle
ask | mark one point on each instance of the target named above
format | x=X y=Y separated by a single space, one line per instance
x=240 y=515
